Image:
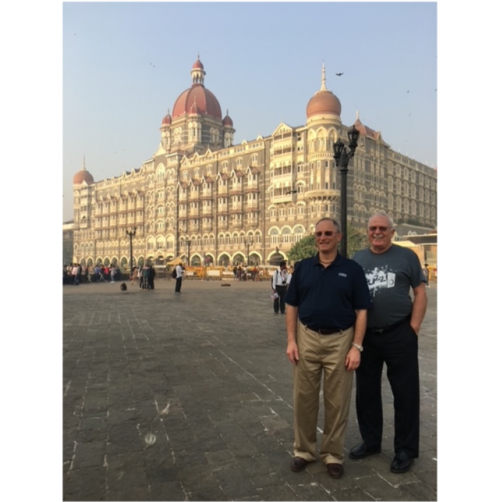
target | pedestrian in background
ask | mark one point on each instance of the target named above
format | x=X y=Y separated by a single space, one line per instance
x=145 y=277
x=75 y=274
x=152 y=275
x=179 y=272
x=392 y=338
x=427 y=274
x=112 y=272
x=280 y=282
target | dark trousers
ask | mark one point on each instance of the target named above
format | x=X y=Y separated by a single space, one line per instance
x=178 y=284
x=398 y=348
x=279 y=303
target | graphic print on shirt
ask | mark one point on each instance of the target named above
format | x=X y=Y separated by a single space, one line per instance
x=379 y=278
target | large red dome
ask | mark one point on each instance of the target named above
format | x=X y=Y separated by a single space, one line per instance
x=323 y=102
x=206 y=102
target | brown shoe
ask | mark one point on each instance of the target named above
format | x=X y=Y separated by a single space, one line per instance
x=298 y=464
x=335 y=470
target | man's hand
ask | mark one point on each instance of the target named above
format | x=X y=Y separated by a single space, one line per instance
x=415 y=328
x=292 y=352
x=353 y=359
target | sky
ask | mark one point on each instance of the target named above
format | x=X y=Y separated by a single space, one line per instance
x=125 y=64
x=39 y=103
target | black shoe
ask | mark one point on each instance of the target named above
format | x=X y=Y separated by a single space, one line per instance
x=298 y=464
x=335 y=471
x=362 y=451
x=401 y=463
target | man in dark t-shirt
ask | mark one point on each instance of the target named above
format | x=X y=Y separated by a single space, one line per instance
x=391 y=337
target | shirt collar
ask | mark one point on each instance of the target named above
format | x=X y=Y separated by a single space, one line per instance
x=335 y=263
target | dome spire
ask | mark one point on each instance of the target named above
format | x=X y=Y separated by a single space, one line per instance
x=323 y=78
x=83 y=167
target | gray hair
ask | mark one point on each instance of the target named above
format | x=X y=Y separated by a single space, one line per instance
x=385 y=215
x=336 y=224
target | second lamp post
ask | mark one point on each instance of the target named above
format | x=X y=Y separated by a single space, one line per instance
x=188 y=244
x=248 y=243
x=131 y=235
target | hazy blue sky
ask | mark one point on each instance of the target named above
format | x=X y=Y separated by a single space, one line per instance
x=263 y=63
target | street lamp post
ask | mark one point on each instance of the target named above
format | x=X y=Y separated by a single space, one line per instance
x=342 y=158
x=131 y=235
x=248 y=243
x=188 y=244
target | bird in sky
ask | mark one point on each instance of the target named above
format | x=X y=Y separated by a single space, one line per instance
x=407 y=92
x=339 y=74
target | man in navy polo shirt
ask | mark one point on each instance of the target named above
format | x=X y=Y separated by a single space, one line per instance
x=325 y=319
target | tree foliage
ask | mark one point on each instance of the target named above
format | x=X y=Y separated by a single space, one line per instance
x=306 y=247
x=356 y=240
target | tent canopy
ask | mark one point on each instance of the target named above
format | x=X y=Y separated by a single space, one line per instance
x=405 y=244
x=175 y=261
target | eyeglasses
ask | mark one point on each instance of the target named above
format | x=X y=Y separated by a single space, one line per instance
x=382 y=229
x=327 y=233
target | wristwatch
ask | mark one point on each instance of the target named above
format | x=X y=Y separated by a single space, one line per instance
x=359 y=347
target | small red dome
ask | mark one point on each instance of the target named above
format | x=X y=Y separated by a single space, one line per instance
x=227 y=121
x=82 y=176
x=167 y=120
x=198 y=65
x=323 y=102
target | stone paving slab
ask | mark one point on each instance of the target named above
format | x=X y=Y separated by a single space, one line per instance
x=189 y=397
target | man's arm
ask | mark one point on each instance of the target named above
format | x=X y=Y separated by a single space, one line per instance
x=353 y=357
x=419 y=307
x=292 y=350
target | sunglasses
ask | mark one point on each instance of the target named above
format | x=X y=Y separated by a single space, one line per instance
x=382 y=229
x=327 y=233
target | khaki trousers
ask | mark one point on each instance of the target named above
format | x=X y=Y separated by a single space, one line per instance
x=321 y=355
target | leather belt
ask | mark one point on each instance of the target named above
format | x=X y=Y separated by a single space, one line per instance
x=380 y=331
x=325 y=331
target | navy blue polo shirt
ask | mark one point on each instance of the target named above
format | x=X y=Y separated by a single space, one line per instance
x=328 y=297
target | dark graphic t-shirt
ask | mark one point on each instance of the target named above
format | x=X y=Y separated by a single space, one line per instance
x=390 y=276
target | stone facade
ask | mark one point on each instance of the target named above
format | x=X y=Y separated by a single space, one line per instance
x=201 y=195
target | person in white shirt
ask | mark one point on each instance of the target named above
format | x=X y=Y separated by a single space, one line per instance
x=281 y=280
x=179 y=272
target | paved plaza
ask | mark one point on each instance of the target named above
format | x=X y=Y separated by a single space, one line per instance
x=189 y=397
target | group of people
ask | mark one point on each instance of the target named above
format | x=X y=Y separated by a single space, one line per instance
x=243 y=273
x=76 y=274
x=144 y=276
x=353 y=315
